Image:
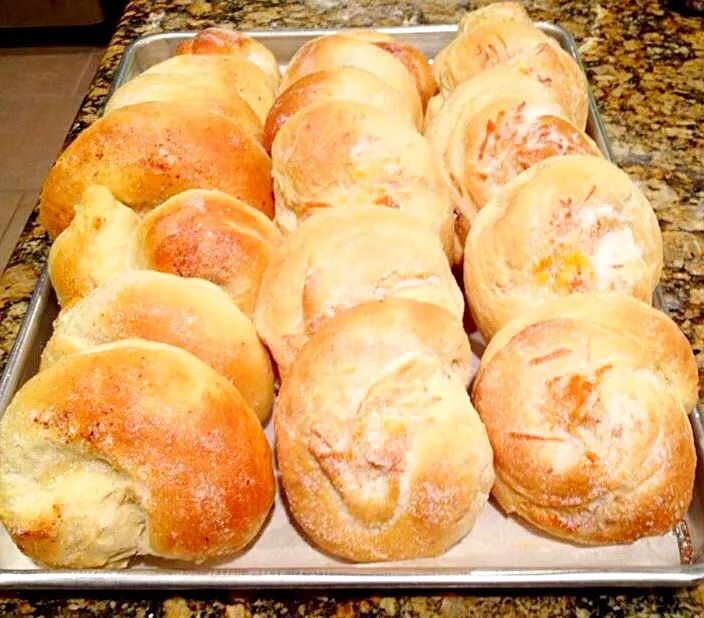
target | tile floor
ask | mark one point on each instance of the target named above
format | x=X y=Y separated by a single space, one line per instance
x=41 y=89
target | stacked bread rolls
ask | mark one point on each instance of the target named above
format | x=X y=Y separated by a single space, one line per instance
x=219 y=213
x=381 y=454
x=142 y=433
x=562 y=256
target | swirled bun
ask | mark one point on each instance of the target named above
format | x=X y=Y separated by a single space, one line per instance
x=191 y=314
x=500 y=40
x=492 y=128
x=568 y=224
x=146 y=153
x=341 y=258
x=592 y=443
x=381 y=454
x=132 y=449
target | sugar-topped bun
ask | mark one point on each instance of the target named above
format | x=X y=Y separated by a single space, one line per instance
x=381 y=454
x=568 y=224
x=585 y=400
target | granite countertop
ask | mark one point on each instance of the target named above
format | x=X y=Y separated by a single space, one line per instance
x=646 y=67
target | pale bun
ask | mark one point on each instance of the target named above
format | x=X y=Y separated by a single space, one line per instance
x=592 y=443
x=361 y=156
x=341 y=258
x=381 y=454
x=568 y=224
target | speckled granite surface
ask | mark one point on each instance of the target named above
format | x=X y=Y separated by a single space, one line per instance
x=646 y=67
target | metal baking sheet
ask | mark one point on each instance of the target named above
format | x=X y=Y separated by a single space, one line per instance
x=36 y=329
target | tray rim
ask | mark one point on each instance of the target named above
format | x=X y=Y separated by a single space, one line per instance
x=352 y=577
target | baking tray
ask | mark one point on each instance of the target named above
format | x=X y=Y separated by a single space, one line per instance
x=23 y=361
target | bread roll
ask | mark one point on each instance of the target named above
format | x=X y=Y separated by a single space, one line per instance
x=493 y=12
x=518 y=45
x=338 y=50
x=198 y=233
x=569 y=224
x=188 y=313
x=132 y=449
x=492 y=128
x=246 y=79
x=226 y=41
x=591 y=443
x=349 y=83
x=94 y=248
x=337 y=154
x=208 y=92
x=209 y=235
x=341 y=258
x=411 y=57
x=148 y=152
x=381 y=454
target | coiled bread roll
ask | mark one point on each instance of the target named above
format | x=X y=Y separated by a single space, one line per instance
x=349 y=83
x=492 y=128
x=226 y=41
x=197 y=233
x=592 y=443
x=246 y=79
x=191 y=314
x=381 y=454
x=569 y=224
x=132 y=449
x=497 y=40
x=148 y=152
x=337 y=154
x=206 y=91
x=337 y=50
x=341 y=258
x=493 y=12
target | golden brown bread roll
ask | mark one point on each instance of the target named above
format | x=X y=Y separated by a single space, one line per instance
x=337 y=50
x=225 y=41
x=342 y=258
x=245 y=78
x=148 y=152
x=492 y=128
x=208 y=92
x=191 y=314
x=197 y=233
x=412 y=58
x=94 y=248
x=381 y=454
x=349 y=83
x=591 y=443
x=500 y=40
x=132 y=449
x=569 y=224
x=209 y=235
x=338 y=154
